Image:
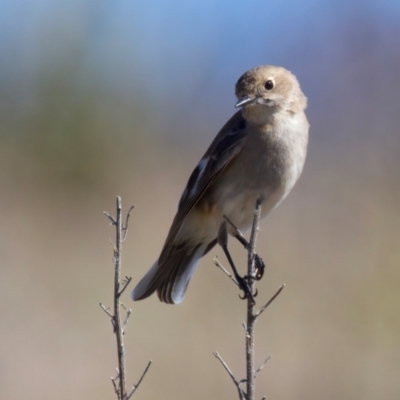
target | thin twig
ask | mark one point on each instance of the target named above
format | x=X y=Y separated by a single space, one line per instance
x=115 y=386
x=263 y=365
x=110 y=217
x=225 y=271
x=128 y=314
x=140 y=380
x=262 y=309
x=242 y=395
x=125 y=226
x=106 y=310
x=225 y=365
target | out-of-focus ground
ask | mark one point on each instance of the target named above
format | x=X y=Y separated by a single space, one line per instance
x=105 y=99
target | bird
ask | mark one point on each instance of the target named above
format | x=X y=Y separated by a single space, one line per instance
x=258 y=154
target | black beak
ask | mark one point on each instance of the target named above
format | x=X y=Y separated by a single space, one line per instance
x=244 y=101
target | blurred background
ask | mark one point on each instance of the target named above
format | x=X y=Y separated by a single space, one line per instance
x=100 y=98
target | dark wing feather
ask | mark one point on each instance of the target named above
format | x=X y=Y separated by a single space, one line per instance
x=226 y=145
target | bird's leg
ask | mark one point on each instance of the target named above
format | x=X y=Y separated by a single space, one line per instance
x=242 y=282
x=259 y=263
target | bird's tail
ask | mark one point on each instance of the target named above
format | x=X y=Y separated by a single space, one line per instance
x=171 y=277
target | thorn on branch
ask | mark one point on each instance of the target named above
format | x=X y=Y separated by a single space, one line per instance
x=262 y=309
x=125 y=282
x=242 y=381
x=110 y=217
x=262 y=365
x=125 y=226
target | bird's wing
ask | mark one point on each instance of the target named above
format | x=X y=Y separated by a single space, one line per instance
x=226 y=145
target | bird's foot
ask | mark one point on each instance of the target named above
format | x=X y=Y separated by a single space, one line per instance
x=259 y=267
x=245 y=286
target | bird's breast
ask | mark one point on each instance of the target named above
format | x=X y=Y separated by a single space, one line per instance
x=268 y=165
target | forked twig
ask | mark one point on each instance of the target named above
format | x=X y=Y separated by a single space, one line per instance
x=125 y=283
x=119 y=382
x=255 y=269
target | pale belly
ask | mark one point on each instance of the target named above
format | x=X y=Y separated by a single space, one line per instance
x=236 y=201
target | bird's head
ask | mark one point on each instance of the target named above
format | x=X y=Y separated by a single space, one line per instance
x=267 y=89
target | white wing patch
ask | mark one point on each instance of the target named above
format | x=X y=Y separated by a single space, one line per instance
x=194 y=182
x=201 y=167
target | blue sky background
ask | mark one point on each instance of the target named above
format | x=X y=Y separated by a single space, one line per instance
x=188 y=55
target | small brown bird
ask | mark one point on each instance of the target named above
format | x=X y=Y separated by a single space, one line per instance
x=260 y=152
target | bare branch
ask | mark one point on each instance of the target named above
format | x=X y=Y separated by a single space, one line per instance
x=262 y=309
x=251 y=273
x=140 y=380
x=119 y=382
x=255 y=271
x=117 y=316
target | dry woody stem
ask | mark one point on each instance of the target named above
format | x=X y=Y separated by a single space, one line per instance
x=250 y=343
x=252 y=314
x=119 y=382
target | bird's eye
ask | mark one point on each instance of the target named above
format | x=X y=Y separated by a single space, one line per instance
x=269 y=85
